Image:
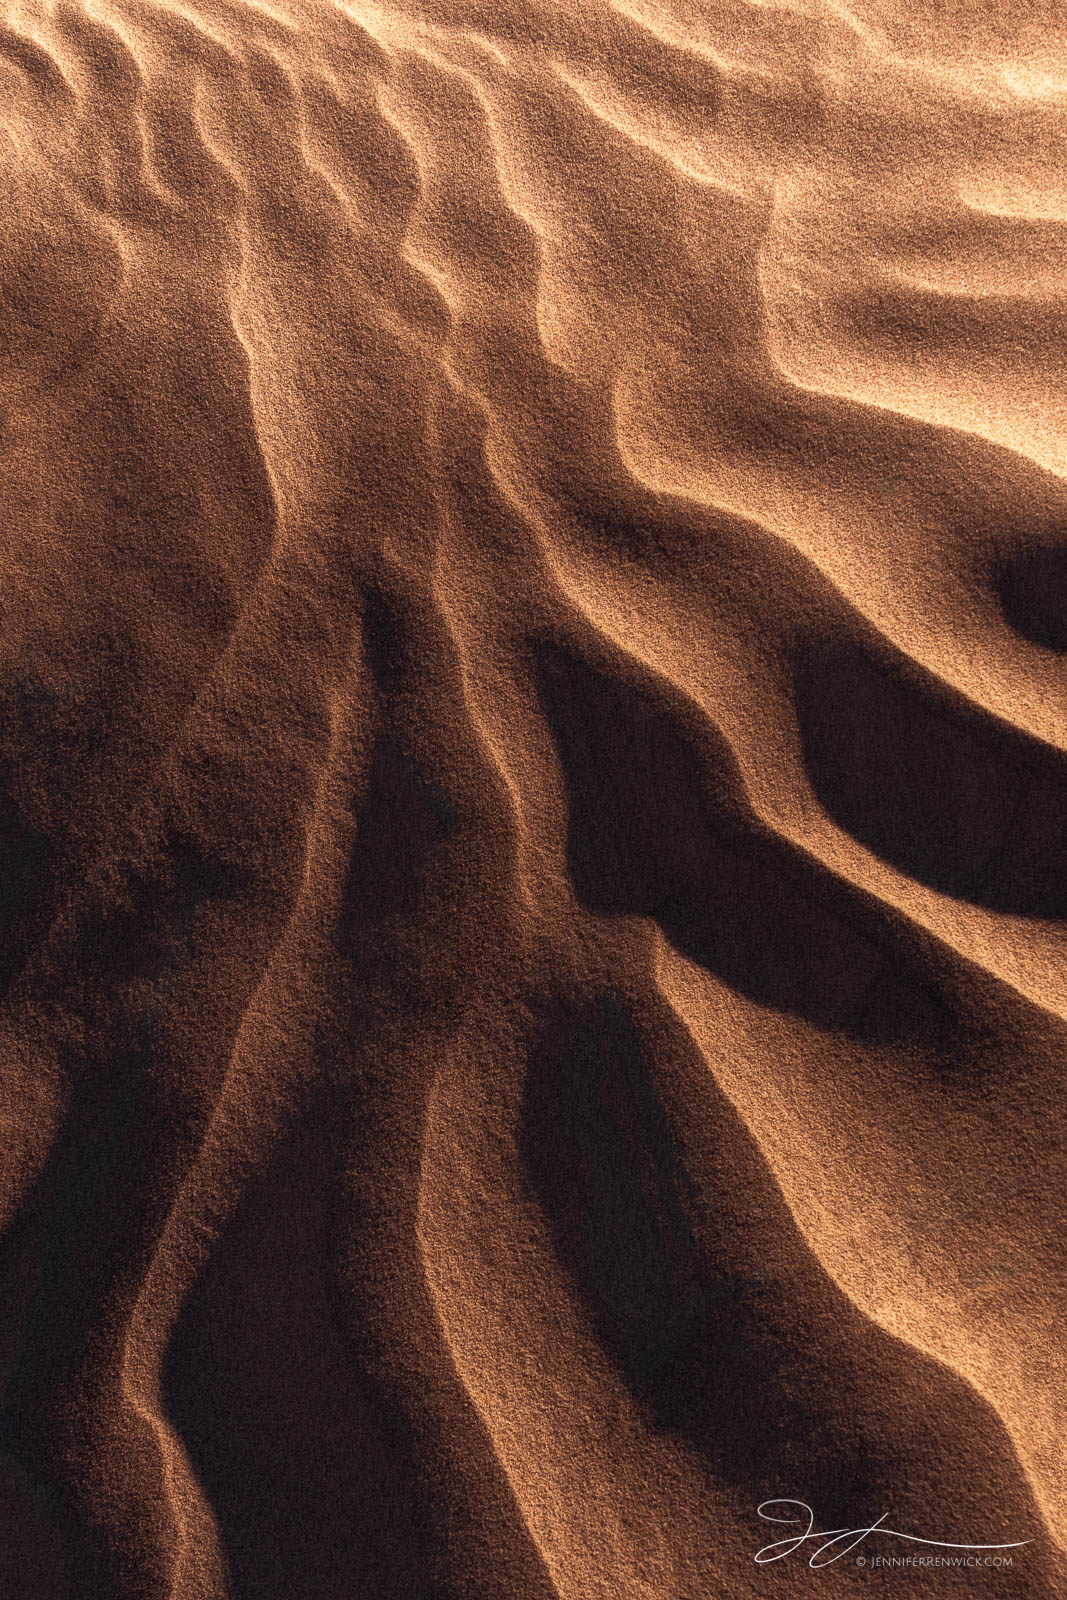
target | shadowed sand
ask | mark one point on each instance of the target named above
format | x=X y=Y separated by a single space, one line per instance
x=533 y=796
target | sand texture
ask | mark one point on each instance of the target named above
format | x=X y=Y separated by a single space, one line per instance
x=533 y=797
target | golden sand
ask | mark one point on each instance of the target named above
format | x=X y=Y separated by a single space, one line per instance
x=533 y=796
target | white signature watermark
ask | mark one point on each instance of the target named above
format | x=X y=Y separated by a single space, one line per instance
x=842 y=1541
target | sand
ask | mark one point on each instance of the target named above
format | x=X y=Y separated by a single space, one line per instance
x=533 y=764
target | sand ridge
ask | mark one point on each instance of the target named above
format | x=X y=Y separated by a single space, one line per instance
x=532 y=850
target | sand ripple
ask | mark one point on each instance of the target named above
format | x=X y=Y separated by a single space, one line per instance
x=533 y=768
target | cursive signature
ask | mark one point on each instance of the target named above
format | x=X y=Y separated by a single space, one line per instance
x=845 y=1538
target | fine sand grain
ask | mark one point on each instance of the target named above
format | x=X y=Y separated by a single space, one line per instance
x=533 y=797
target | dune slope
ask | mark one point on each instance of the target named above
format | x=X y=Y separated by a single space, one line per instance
x=533 y=797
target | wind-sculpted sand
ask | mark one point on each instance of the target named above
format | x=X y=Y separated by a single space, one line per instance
x=533 y=784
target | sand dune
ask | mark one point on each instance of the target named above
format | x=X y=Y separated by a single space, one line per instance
x=533 y=826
